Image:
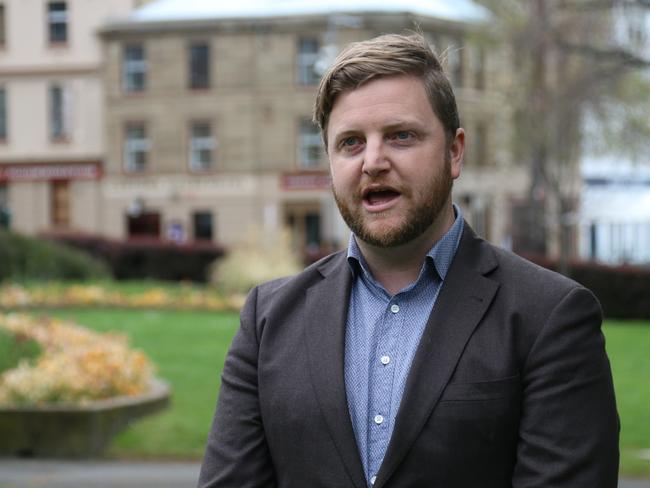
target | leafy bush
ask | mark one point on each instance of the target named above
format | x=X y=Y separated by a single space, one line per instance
x=261 y=257
x=76 y=365
x=147 y=258
x=26 y=258
x=623 y=291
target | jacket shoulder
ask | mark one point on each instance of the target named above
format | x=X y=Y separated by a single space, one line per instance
x=282 y=289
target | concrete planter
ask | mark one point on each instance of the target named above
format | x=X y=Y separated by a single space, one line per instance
x=72 y=431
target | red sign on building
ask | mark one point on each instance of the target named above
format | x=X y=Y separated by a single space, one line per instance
x=306 y=181
x=50 y=171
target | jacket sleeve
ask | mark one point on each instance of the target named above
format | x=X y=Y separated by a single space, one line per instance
x=237 y=455
x=568 y=435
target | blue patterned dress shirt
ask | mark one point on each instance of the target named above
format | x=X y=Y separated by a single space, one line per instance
x=382 y=335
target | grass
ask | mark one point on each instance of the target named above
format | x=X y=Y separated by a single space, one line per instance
x=189 y=348
x=14 y=348
x=628 y=346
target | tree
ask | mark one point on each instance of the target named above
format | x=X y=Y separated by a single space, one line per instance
x=572 y=60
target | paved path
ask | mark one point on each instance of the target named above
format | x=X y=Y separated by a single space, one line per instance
x=96 y=474
x=112 y=474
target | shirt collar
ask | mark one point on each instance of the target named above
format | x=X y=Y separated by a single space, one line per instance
x=440 y=255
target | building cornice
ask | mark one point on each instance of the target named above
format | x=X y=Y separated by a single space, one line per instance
x=294 y=22
x=63 y=70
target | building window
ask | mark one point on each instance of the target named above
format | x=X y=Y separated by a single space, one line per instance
x=136 y=147
x=59 y=113
x=134 y=68
x=3 y=26
x=455 y=63
x=199 y=66
x=479 y=68
x=202 y=146
x=60 y=203
x=203 y=226
x=307 y=57
x=310 y=147
x=478 y=146
x=3 y=113
x=5 y=214
x=57 y=20
x=143 y=224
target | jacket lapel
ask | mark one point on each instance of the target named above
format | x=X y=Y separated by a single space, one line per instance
x=462 y=302
x=325 y=318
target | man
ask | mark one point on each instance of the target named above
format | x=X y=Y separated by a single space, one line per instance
x=422 y=356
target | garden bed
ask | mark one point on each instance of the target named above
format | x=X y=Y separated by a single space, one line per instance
x=74 y=431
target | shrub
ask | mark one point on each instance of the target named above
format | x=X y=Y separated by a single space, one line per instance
x=623 y=291
x=261 y=257
x=76 y=365
x=145 y=258
x=27 y=258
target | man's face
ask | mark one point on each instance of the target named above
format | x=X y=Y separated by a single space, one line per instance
x=392 y=171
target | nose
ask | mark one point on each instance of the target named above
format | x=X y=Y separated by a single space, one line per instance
x=375 y=159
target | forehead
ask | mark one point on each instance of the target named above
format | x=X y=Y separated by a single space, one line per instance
x=382 y=101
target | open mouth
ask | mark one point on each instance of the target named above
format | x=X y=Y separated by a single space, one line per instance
x=377 y=199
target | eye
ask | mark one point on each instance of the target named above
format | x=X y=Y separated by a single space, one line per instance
x=350 y=143
x=401 y=136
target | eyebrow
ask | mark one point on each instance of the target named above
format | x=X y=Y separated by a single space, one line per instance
x=393 y=125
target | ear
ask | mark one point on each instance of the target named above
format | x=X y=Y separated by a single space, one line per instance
x=456 y=152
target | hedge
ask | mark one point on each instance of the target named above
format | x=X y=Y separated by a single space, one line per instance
x=28 y=258
x=147 y=258
x=623 y=291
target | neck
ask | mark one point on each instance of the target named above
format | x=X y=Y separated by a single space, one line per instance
x=397 y=267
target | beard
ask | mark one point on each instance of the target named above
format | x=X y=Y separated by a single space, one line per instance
x=427 y=203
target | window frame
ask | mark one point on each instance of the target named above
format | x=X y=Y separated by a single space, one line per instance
x=4 y=118
x=456 y=62
x=199 y=79
x=306 y=74
x=309 y=138
x=3 y=25
x=59 y=116
x=57 y=18
x=195 y=227
x=198 y=144
x=132 y=147
x=131 y=68
x=60 y=203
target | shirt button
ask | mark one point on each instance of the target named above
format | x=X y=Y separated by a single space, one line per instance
x=372 y=480
x=385 y=360
x=394 y=308
x=379 y=419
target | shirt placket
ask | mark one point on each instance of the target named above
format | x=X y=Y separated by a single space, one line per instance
x=382 y=374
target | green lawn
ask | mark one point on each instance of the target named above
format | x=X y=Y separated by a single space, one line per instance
x=628 y=346
x=189 y=348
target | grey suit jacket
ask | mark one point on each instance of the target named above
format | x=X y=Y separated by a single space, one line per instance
x=510 y=386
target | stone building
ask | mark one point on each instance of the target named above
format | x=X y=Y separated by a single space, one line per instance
x=51 y=112
x=208 y=106
x=190 y=119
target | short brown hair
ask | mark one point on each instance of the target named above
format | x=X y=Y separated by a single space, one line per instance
x=388 y=55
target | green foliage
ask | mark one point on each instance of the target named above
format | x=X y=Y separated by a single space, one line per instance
x=26 y=258
x=261 y=257
x=14 y=348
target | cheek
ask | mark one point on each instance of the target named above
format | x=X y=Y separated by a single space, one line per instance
x=343 y=175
